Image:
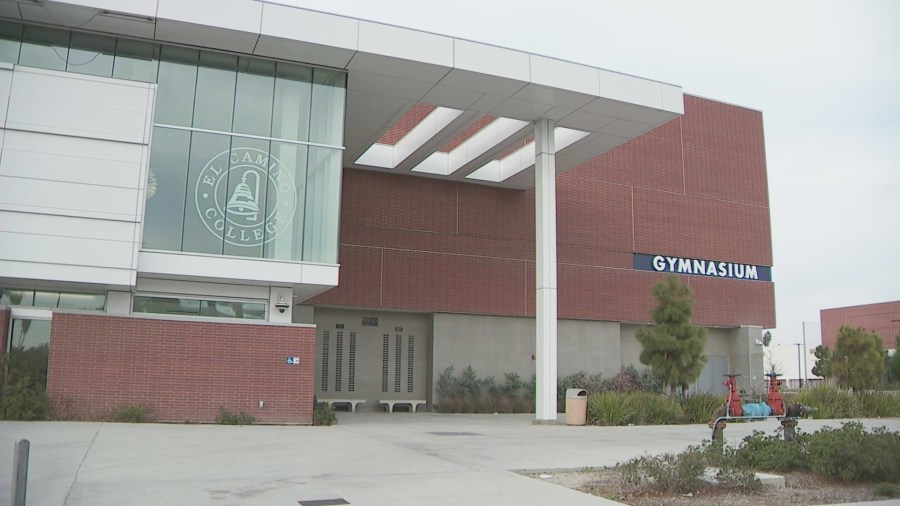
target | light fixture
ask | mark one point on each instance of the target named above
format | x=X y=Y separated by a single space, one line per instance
x=281 y=305
x=127 y=16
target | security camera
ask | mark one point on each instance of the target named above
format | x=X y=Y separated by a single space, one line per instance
x=281 y=306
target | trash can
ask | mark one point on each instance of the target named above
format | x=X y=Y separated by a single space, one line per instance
x=576 y=406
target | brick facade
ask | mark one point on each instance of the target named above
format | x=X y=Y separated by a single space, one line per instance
x=695 y=187
x=182 y=370
x=881 y=318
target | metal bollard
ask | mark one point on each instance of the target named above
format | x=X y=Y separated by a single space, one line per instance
x=19 y=473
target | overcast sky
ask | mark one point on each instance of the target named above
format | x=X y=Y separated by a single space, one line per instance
x=826 y=75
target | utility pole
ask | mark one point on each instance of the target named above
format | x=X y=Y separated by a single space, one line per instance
x=799 y=375
x=805 y=352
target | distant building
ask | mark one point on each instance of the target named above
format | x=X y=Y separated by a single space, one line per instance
x=881 y=318
x=789 y=361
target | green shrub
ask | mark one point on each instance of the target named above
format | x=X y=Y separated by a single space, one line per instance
x=466 y=393
x=228 y=418
x=772 y=453
x=829 y=401
x=608 y=409
x=24 y=389
x=887 y=490
x=323 y=414
x=683 y=473
x=878 y=404
x=130 y=414
x=24 y=399
x=852 y=454
x=698 y=408
x=651 y=409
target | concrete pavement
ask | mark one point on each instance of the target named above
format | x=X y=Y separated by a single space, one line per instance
x=367 y=459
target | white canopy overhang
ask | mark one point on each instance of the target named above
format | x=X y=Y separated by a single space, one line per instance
x=392 y=69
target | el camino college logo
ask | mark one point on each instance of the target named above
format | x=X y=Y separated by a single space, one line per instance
x=245 y=196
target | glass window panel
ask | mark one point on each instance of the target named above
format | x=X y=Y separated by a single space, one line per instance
x=46 y=299
x=91 y=54
x=29 y=351
x=245 y=208
x=253 y=99
x=46 y=48
x=165 y=305
x=228 y=309
x=14 y=297
x=206 y=198
x=10 y=41
x=284 y=230
x=137 y=61
x=293 y=90
x=166 y=187
x=323 y=192
x=215 y=91
x=327 y=118
x=177 y=80
x=87 y=301
x=253 y=311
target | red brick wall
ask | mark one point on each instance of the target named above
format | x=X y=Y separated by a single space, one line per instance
x=181 y=370
x=695 y=187
x=880 y=318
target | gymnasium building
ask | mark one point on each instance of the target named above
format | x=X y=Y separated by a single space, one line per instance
x=246 y=205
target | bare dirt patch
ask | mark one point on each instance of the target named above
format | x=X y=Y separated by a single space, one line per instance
x=801 y=489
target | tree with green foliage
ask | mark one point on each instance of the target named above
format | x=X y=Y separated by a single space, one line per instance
x=822 y=368
x=673 y=348
x=858 y=360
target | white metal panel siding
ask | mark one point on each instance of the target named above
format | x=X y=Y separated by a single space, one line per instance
x=73 y=166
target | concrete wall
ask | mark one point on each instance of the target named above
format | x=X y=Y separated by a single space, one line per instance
x=72 y=178
x=496 y=345
x=181 y=370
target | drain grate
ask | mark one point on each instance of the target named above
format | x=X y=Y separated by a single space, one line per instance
x=455 y=434
x=323 y=502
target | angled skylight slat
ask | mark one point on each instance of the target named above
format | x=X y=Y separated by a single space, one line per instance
x=390 y=156
x=479 y=143
x=497 y=171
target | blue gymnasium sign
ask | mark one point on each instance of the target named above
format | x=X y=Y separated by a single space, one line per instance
x=711 y=268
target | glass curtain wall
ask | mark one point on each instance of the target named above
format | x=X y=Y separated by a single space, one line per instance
x=246 y=153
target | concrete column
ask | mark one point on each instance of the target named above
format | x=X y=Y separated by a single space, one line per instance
x=545 y=269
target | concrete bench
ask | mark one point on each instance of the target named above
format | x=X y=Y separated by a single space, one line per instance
x=352 y=402
x=413 y=404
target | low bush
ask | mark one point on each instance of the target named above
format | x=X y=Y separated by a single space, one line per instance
x=466 y=393
x=24 y=399
x=698 y=408
x=652 y=409
x=637 y=408
x=608 y=409
x=130 y=414
x=772 y=453
x=23 y=394
x=878 y=404
x=323 y=414
x=829 y=401
x=853 y=454
x=228 y=418
x=887 y=490
x=683 y=473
